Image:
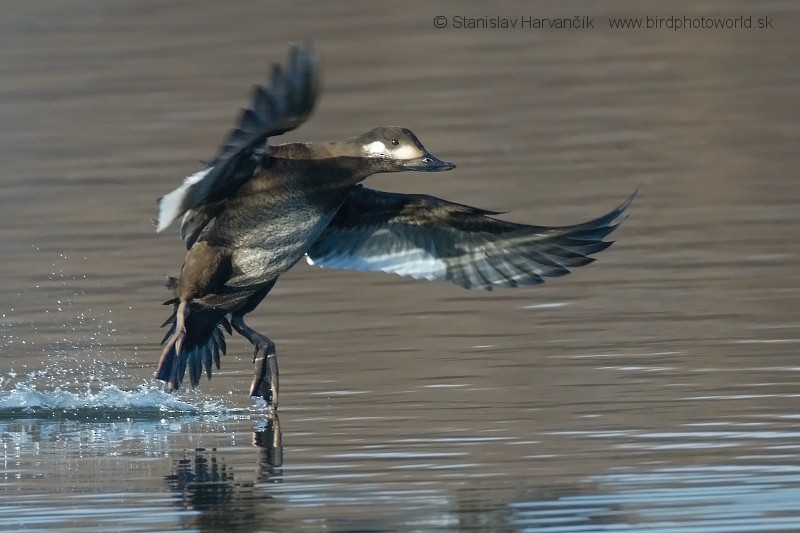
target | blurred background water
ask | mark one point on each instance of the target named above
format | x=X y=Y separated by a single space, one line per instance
x=655 y=389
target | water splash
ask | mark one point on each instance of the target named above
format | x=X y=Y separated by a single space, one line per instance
x=109 y=401
x=67 y=357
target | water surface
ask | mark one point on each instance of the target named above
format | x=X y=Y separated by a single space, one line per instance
x=655 y=389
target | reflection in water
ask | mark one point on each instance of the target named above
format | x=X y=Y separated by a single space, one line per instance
x=204 y=483
x=267 y=436
x=234 y=477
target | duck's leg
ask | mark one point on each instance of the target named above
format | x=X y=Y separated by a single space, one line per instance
x=265 y=362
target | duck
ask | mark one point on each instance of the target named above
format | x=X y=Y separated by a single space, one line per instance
x=258 y=208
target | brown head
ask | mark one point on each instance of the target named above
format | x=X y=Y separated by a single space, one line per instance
x=394 y=149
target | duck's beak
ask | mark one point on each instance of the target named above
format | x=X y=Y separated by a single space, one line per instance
x=428 y=163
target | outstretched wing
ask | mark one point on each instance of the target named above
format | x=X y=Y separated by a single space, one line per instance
x=282 y=106
x=429 y=238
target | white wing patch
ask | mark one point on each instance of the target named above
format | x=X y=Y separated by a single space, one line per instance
x=417 y=263
x=170 y=203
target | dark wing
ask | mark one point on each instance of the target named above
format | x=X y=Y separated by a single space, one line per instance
x=282 y=106
x=429 y=238
x=196 y=220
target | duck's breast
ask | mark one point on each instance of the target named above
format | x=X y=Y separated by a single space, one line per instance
x=270 y=226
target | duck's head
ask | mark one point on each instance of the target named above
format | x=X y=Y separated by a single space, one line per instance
x=394 y=149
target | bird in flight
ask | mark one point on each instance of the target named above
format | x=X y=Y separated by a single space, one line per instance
x=258 y=208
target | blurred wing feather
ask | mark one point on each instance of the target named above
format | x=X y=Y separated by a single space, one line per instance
x=282 y=106
x=425 y=237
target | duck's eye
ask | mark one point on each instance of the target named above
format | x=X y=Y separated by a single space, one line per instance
x=395 y=142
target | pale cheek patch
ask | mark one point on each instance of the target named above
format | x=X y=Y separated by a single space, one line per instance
x=375 y=148
x=408 y=151
x=404 y=153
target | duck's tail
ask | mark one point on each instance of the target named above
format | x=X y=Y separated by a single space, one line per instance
x=195 y=340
